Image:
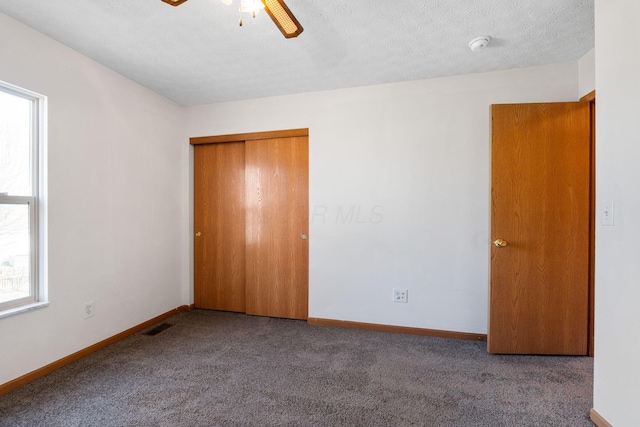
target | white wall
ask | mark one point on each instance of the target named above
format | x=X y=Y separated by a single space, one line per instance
x=411 y=162
x=399 y=195
x=117 y=202
x=617 y=317
x=587 y=73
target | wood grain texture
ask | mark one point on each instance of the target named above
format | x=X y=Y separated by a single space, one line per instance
x=397 y=329
x=61 y=363
x=219 y=217
x=277 y=214
x=598 y=419
x=590 y=97
x=242 y=137
x=541 y=206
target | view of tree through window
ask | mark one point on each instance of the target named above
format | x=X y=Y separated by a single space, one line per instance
x=15 y=180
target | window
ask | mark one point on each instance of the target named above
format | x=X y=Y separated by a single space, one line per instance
x=21 y=116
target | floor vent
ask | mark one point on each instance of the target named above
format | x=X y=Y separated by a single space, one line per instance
x=157 y=329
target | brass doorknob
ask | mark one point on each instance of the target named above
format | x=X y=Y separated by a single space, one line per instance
x=500 y=243
x=198 y=234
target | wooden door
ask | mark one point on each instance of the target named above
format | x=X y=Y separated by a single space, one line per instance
x=277 y=221
x=539 y=292
x=219 y=221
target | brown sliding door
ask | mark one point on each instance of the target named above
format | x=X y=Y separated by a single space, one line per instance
x=251 y=223
x=277 y=213
x=219 y=252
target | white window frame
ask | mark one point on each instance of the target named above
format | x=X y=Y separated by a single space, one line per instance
x=38 y=290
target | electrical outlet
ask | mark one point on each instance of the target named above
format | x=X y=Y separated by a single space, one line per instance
x=89 y=310
x=400 y=295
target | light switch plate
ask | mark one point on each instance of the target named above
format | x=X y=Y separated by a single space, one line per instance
x=606 y=213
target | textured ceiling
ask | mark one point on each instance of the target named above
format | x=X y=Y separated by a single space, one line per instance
x=197 y=54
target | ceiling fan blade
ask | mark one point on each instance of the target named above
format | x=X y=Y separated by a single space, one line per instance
x=174 y=2
x=283 y=18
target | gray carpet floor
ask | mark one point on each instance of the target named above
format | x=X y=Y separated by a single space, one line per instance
x=223 y=369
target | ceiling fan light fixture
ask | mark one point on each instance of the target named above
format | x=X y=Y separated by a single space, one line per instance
x=251 y=6
x=174 y=2
x=283 y=18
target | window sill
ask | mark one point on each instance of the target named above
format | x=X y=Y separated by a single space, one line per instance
x=23 y=308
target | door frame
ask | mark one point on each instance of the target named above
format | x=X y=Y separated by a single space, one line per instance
x=239 y=137
x=591 y=99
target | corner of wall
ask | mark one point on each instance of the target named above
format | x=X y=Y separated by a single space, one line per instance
x=587 y=73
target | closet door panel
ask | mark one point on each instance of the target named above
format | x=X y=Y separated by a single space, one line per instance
x=277 y=221
x=219 y=221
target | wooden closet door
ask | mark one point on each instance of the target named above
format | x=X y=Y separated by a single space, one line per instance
x=219 y=220
x=277 y=221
